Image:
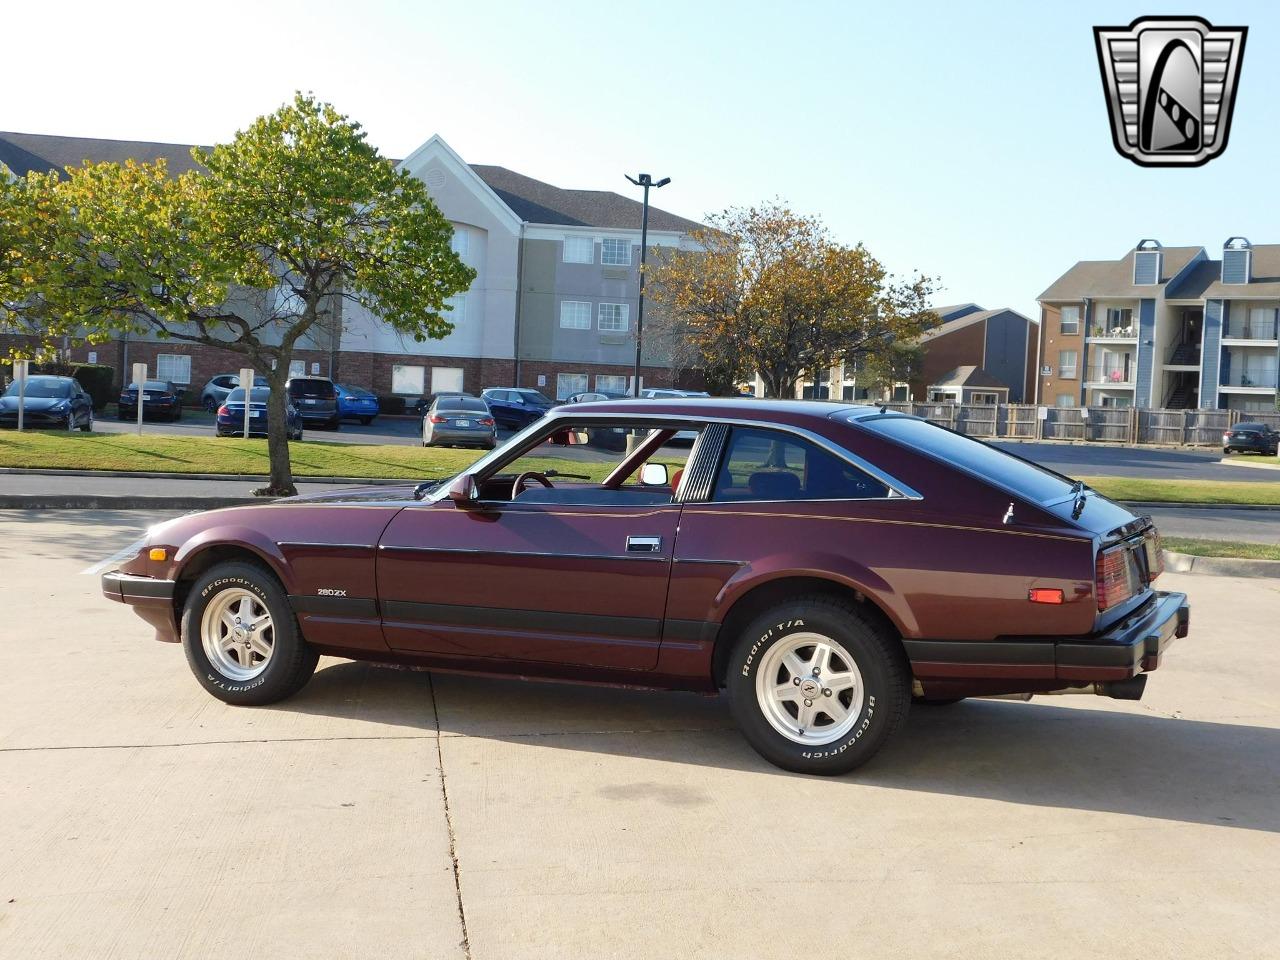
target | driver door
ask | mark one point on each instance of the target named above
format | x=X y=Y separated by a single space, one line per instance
x=577 y=583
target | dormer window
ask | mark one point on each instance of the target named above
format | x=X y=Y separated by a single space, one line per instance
x=1146 y=263
x=1237 y=253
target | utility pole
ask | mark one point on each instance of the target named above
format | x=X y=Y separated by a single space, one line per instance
x=645 y=181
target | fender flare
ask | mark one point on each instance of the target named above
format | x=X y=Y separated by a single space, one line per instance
x=239 y=537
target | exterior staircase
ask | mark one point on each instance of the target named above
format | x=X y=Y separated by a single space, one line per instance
x=1180 y=398
x=1186 y=355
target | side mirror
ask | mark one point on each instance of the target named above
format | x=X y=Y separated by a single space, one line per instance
x=463 y=490
x=654 y=475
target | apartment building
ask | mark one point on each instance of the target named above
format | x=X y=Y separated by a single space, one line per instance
x=1164 y=327
x=553 y=305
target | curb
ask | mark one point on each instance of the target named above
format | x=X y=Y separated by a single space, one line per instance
x=1263 y=463
x=1219 y=566
x=1172 y=505
x=238 y=477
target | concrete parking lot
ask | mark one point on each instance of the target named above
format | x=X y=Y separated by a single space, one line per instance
x=391 y=813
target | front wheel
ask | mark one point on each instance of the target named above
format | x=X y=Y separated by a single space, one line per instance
x=87 y=426
x=816 y=687
x=241 y=638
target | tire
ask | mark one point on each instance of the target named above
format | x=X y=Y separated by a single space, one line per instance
x=1226 y=450
x=335 y=425
x=87 y=426
x=935 y=702
x=871 y=662
x=210 y=404
x=244 y=676
x=366 y=420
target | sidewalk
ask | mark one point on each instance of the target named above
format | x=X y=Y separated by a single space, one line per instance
x=48 y=492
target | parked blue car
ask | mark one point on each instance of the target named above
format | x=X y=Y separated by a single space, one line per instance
x=516 y=407
x=356 y=402
x=231 y=415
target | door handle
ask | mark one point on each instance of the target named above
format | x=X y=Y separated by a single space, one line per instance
x=644 y=544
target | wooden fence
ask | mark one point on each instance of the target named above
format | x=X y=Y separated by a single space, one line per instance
x=1091 y=424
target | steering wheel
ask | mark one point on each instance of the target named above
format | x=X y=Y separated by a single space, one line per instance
x=518 y=485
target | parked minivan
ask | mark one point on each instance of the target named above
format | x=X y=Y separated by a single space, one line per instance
x=316 y=400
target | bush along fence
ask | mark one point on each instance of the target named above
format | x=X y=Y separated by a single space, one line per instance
x=1094 y=424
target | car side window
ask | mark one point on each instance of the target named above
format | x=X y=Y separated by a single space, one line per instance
x=770 y=465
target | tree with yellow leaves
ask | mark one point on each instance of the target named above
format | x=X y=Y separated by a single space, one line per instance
x=769 y=291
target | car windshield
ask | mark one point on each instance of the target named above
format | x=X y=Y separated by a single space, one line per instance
x=260 y=395
x=534 y=396
x=43 y=388
x=360 y=392
x=310 y=388
x=461 y=404
x=1020 y=476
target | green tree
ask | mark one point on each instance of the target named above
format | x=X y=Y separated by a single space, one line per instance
x=294 y=216
x=902 y=362
x=770 y=291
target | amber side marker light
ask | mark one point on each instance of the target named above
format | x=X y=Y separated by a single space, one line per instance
x=1045 y=595
x=157 y=553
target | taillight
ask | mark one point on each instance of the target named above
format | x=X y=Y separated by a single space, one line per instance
x=486 y=422
x=1155 y=557
x=436 y=418
x=223 y=411
x=1116 y=577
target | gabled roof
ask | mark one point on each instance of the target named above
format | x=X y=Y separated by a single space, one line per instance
x=537 y=202
x=23 y=152
x=967 y=320
x=1204 y=282
x=969 y=376
x=1114 y=278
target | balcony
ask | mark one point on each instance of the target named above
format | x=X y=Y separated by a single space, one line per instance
x=1260 y=380
x=1111 y=376
x=1260 y=333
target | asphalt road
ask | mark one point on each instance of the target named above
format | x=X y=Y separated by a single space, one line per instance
x=402 y=430
x=394 y=814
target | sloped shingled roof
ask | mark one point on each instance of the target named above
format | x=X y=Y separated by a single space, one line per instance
x=1114 y=278
x=969 y=376
x=537 y=202
x=531 y=200
x=1204 y=281
x=23 y=152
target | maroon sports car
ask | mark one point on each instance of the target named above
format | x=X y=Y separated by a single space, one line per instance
x=825 y=564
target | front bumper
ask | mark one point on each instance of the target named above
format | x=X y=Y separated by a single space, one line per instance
x=1128 y=648
x=150 y=598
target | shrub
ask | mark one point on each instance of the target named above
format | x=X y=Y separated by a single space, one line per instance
x=98 y=381
x=391 y=405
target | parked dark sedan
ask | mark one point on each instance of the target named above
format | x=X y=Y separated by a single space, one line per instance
x=824 y=564
x=515 y=408
x=1251 y=438
x=48 y=402
x=455 y=421
x=230 y=418
x=160 y=400
x=316 y=399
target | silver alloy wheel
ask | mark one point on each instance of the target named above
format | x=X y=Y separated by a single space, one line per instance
x=237 y=634
x=810 y=689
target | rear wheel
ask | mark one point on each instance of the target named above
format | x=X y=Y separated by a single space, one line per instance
x=241 y=638
x=816 y=687
x=210 y=404
x=87 y=426
x=366 y=420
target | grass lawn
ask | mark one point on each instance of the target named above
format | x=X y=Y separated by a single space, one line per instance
x=1221 y=548
x=1185 y=491
x=170 y=454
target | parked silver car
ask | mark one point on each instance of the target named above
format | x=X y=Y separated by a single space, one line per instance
x=215 y=391
x=459 y=421
x=659 y=393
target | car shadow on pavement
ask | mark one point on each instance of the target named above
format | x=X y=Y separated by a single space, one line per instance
x=1039 y=754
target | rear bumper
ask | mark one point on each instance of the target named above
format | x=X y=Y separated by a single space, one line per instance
x=150 y=598
x=1133 y=646
x=482 y=437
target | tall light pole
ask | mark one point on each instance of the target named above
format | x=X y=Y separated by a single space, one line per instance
x=646 y=181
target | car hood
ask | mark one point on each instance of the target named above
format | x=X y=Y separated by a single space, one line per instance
x=36 y=404
x=382 y=493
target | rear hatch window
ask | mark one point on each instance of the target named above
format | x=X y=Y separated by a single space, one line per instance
x=316 y=389
x=461 y=404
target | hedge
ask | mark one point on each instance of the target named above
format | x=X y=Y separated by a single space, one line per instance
x=98 y=379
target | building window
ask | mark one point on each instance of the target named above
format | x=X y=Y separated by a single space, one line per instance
x=1070 y=325
x=1066 y=400
x=459 y=242
x=575 y=315
x=1067 y=364
x=284 y=302
x=297 y=368
x=615 y=252
x=175 y=367
x=611 y=383
x=408 y=380
x=613 y=317
x=579 y=250
x=457 y=312
x=1119 y=322
x=984 y=399
x=446 y=379
x=567 y=384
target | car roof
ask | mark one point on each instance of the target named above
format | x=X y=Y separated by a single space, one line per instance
x=741 y=408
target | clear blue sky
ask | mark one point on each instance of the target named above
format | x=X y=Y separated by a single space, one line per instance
x=967 y=141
